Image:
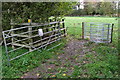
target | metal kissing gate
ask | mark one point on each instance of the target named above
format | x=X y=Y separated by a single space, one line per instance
x=97 y=32
x=31 y=37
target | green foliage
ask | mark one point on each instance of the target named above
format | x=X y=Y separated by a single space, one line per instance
x=40 y=12
x=99 y=66
x=28 y=62
x=96 y=8
x=106 y=8
x=106 y=50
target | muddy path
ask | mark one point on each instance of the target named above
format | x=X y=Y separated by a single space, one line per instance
x=62 y=63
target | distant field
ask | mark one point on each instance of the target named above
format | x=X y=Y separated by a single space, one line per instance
x=74 y=24
x=70 y=21
x=90 y=19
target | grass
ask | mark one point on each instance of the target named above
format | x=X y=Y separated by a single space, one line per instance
x=28 y=62
x=71 y=22
x=74 y=24
x=103 y=64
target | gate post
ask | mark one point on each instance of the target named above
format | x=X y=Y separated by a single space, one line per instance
x=63 y=24
x=112 y=33
x=12 y=32
x=82 y=30
x=30 y=34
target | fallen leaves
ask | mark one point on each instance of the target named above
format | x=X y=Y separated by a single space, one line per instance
x=60 y=71
x=64 y=75
x=53 y=76
x=21 y=77
x=57 y=53
x=27 y=69
x=49 y=68
x=38 y=74
x=72 y=68
x=25 y=74
x=58 y=57
x=76 y=59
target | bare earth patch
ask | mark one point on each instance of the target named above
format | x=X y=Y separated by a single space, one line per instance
x=63 y=62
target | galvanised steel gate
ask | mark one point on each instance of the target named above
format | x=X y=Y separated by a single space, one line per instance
x=97 y=32
x=26 y=39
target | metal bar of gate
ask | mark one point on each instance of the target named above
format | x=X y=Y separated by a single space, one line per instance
x=90 y=32
x=59 y=37
x=6 y=49
x=108 y=33
x=32 y=50
x=25 y=45
x=24 y=32
x=32 y=26
x=28 y=38
x=33 y=36
x=17 y=29
x=49 y=40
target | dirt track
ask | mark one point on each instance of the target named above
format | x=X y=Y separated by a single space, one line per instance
x=73 y=52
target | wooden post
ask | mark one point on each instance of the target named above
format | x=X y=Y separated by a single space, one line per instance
x=59 y=31
x=82 y=30
x=55 y=27
x=50 y=24
x=30 y=34
x=63 y=24
x=12 y=32
x=112 y=33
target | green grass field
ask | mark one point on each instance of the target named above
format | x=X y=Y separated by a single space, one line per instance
x=106 y=53
x=74 y=25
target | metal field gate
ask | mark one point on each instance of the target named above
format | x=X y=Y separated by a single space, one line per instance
x=97 y=32
x=22 y=40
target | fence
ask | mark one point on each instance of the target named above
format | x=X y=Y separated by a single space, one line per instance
x=97 y=32
x=25 y=39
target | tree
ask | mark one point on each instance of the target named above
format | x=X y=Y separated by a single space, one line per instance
x=38 y=11
x=95 y=8
x=106 y=8
x=89 y=8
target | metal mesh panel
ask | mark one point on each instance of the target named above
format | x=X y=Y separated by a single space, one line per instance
x=98 y=32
